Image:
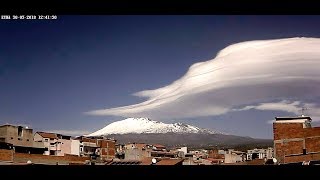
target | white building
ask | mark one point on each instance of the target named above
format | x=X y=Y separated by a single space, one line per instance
x=232 y=156
x=183 y=149
x=57 y=144
x=260 y=154
x=76 y=147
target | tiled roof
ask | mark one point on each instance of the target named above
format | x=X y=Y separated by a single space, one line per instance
x=159 y=146
x=48 y=135
x=169 y=161
x=146 y=161
x=125 y=163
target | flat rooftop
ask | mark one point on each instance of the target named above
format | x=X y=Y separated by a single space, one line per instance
x=292 y=118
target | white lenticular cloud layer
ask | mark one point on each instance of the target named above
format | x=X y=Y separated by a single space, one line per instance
x=281 y=72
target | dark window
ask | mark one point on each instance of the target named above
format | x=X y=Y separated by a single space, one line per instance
x=11 y=137
x=46 y=140
x=304 y=151
x=19 y=139
x=20 y=131
x=27 y=139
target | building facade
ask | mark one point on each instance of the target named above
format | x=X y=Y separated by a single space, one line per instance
x=57 y=144
x=137 y=151
x=101 y=147
x=295 y=140
x=260 y=154
x=21 y=139
x=232 y=156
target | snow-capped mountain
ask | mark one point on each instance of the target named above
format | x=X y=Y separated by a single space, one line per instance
x=146 y=125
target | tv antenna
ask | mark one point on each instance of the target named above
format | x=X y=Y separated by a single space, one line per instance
x=303 y=110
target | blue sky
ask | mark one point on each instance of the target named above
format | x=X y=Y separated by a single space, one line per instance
x=52 y=71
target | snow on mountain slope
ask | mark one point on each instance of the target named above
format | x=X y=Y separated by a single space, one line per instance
x=145 y=125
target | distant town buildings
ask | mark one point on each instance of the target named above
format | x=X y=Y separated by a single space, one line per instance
x=295 y=141
x=260 y=154
x=233 y=156
x=101 y=147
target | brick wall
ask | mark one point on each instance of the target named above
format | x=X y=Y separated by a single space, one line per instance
x=107 y=148
x=292 y=138
x=89 y=140
x=38 y=158
x=287 y=130
x=313 y=144
x=301 y=158
x=106 y=143
x=309 y=132
x=6 y=155
x=71 y=157
x=293 y=147
x=214 y=154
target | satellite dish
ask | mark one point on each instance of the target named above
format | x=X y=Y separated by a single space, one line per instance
x=154 y=161
x=274 y=160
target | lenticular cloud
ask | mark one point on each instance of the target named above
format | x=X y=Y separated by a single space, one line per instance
x=240 y=75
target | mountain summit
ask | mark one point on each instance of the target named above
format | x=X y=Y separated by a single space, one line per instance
x=177 y=134
x=146 y=125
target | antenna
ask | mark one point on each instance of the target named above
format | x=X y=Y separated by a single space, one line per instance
x=303 y=110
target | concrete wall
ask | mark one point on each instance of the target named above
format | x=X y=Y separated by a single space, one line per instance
x=10 y=133
x=65 y=147
x=45 y=141
x=232 y=158
x=3 y=133
x=183 y=149
x=75 y=147
x=136 y=154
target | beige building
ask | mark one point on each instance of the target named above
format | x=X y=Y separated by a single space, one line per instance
x=232 y=156
x=137 y=151
x=21 y=138
x=260 y=153
x=57 y=144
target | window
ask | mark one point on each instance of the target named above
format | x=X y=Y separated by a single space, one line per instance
x=304 y=151
x=19 y=139
x=20 y=131
x=11 y=137
x=45 y=140
x=27 y=139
